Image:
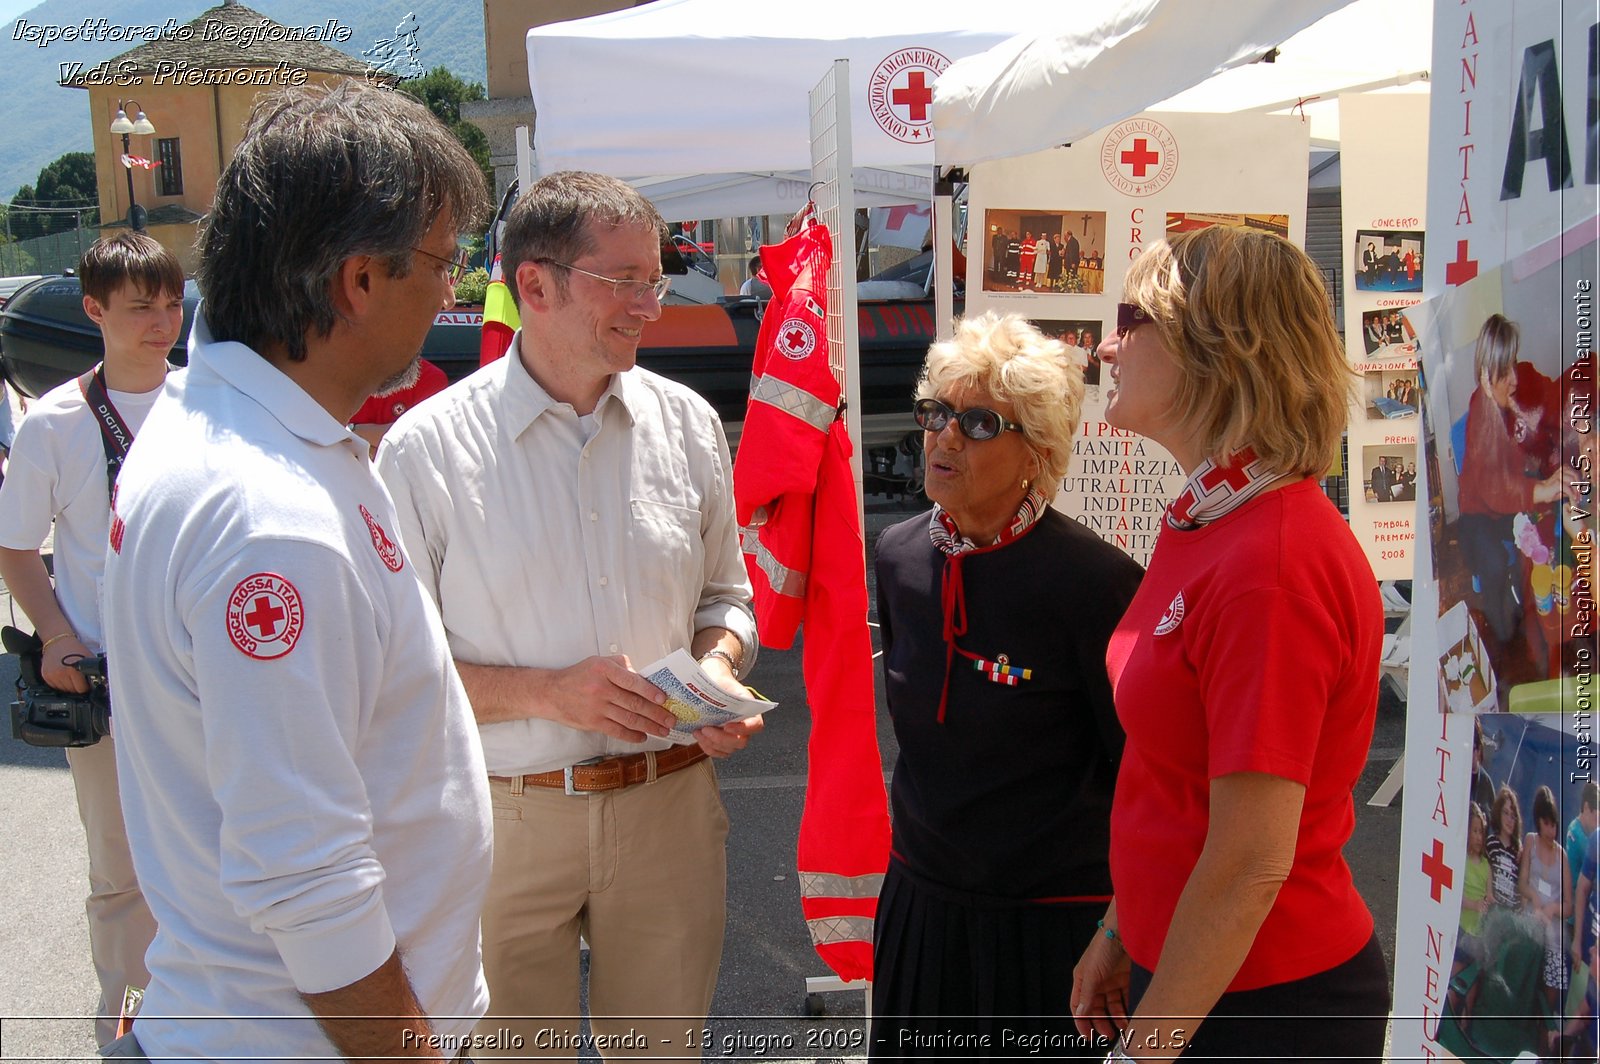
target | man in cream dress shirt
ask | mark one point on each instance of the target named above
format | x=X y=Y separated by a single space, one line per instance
x=573 y=517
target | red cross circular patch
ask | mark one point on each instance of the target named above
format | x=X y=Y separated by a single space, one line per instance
x=265 y=617
x=900 y=93
x=1172 y=618
x=796 y=338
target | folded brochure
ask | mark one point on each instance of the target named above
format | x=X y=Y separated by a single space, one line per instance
x=696 y=699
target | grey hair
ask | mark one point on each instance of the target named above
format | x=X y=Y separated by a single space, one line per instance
x=550 y=220
x=323 y=174
x=1495 y=353
x=1013 y=361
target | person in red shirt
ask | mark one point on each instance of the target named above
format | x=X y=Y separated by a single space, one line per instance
x=1511 y=464
x=1245 y=673
x=384 y=408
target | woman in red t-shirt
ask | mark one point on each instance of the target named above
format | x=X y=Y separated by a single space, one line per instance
x=1245 y=674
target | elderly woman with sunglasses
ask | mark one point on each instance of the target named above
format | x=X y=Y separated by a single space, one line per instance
x=994 y=610
x=1246 y=675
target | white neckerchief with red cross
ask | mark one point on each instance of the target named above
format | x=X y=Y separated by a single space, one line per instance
x=1214 y=490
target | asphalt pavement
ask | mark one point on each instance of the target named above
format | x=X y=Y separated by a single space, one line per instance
x=47 y=988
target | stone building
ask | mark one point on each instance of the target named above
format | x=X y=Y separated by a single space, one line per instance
x=197 y=83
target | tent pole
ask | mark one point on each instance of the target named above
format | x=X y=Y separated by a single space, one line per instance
x=525 y=168
x=832 y=150
x=944 y=305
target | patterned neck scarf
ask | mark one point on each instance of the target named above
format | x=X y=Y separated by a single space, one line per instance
x=1213 y=490
x=948 y=538
x=952 y=590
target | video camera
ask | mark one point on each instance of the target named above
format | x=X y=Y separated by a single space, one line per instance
x=44 y=716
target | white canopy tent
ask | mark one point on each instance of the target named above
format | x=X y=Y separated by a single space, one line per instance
x=702 y=103
x=1098 y=64
x=710 y=95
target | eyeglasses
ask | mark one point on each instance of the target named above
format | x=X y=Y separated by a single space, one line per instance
x=458 y=265
x=621 y=287
x=1130 y=315
x=979 y=423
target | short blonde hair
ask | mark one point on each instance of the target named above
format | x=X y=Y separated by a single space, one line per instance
x=1248 y=318
x=1017 y=364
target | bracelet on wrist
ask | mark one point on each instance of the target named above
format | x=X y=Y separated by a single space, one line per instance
x=1109 y=932
x=718 y=652
x=56 y=639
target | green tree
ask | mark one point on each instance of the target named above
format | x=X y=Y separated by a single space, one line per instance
x=67 y=182
x=443 y=93
x=25 y=224
x=69 y=178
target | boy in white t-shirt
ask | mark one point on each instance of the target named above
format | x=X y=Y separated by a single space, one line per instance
x=61 y=472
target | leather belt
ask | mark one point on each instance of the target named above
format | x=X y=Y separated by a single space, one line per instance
x=612 y=773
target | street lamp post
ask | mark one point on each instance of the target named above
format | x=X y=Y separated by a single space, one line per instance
x=141 y=126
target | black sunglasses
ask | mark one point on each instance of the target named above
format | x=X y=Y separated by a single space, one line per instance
x=979 y=423
x=1128 y=316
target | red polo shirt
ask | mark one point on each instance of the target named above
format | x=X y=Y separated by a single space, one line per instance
x=1251 y=646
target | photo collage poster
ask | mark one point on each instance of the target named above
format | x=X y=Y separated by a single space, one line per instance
x=1494 y=951
x=1051 y=235
x=1383 y=161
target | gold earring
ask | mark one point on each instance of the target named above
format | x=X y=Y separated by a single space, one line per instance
x=1025 y=483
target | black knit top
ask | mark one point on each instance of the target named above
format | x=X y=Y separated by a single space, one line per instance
x=1011 y=795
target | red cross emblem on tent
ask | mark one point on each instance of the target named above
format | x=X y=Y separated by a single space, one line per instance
x=265 y=616
x=796 y=338
x=900 y=93
x=1139 y=157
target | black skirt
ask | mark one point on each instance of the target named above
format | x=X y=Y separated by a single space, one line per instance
x=1335 y=1016
x=966 y=975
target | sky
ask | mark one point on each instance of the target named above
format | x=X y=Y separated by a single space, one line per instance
x=10 y=9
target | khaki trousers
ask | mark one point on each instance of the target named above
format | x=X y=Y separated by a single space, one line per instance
x=641 y=874
x=120 y=924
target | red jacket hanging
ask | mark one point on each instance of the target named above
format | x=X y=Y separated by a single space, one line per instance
x=801 y=535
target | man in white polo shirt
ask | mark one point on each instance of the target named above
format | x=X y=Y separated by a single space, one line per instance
x=62 y=471
x=301 y=778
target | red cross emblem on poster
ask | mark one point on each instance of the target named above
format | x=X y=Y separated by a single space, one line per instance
x=265 y=616
x=1441 y=877
x=1139 y=157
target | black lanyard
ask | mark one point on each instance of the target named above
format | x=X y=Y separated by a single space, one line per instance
x=114 y=432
